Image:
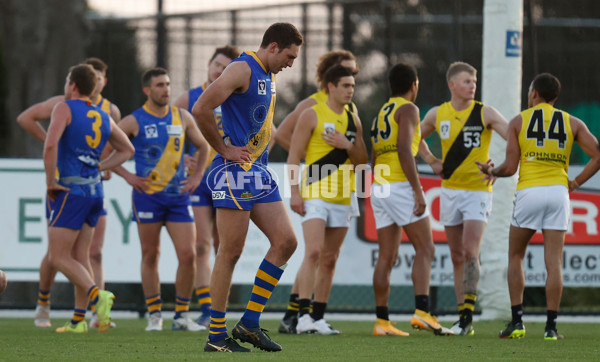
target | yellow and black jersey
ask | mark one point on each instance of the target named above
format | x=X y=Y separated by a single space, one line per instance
x=384 y=138
x=546 y=140
x=329 y=174
x=465 y=139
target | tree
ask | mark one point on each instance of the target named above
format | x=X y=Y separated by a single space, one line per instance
x=41 y=39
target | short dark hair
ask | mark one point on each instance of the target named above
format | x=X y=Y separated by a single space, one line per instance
x=97 y=63
x=229 y=51
x=151 y=73
x=330 y=59
x=284 y=34
x=401 y=77
x=458 y=67
x=547 y=86
x=84 y=77
x=337 y=72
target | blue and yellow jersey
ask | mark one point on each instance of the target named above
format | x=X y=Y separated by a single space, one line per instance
x=104 y=104
x=546 y=140
x=159 y=150
x=80 y=147
x=248 y=116
x=328 y=172
x=193 y=96
x=384 y=138
x=465 y=139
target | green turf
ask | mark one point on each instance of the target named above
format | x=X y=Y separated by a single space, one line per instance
x=20 y=340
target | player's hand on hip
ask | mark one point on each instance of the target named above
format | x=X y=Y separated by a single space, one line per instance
x=237 y=154
x=140 y=184
x=191 y=183
x=54 y=188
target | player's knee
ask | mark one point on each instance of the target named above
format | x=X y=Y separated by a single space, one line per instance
x=96 y=256
x=328 y=262
x=202 y=248
x=150 y=257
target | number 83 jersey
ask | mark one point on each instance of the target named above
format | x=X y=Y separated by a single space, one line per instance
x=546 y=140
x=465 y=139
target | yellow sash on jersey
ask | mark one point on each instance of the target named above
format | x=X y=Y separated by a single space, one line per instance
x=384 y=138
x=168 y=164
x=545 y=140
x=465 y=139
x=329 y=173
x=104 y=104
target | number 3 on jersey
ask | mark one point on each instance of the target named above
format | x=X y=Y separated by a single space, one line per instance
x=384 y=134
x=94 y=141
x=556 y=131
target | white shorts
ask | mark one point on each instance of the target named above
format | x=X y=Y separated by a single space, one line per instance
x=542 y=208
x=456 y=206
x=394 y=205
x=335 y=215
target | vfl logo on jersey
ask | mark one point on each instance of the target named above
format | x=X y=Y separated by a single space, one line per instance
x=174 y=130
x=151 y=131
x=262 y=87
x=218 y=195
x=444 y=130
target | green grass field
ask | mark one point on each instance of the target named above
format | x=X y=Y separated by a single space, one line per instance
x=20 y=340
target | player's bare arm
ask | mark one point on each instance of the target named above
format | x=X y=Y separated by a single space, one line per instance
x=496 y=121
x=286 y=128
x=301 y=135
x=29 y=119
x=130 y=127
x=115 y=113
x=122 y=149
x=428 y=123
x=60 y=119
x=235 y=78
x=194 y=135
x=513 y=154
x=407 y=118
x=435 y=163
x=183 y=100
x=589 y=144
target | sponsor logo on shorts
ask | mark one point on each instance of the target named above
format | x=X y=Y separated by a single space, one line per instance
x=225 y=177
x=218 y=195
x=145 y=214
x=195 y=198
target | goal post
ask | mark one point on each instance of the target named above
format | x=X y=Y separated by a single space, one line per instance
x=501 y=89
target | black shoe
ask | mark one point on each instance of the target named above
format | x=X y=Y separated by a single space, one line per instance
x=552 y=335
x=255 y=336
x=288 y=325
x=224 y=345
x=513 y=330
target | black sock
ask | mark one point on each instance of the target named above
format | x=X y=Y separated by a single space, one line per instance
x=318 y=310
x=382 y=313
x=304 y=306
x=517 y=312
x=293 y=307
x=422 y=303
x=551 y=319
